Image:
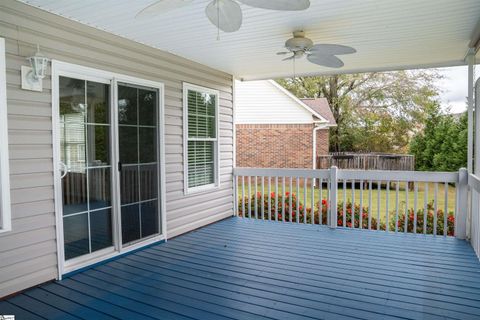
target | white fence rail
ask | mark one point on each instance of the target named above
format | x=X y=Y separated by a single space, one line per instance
x=391 y=201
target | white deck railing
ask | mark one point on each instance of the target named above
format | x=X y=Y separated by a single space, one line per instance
x=391 y=201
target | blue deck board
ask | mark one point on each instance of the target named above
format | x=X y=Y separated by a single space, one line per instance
x=253 y=269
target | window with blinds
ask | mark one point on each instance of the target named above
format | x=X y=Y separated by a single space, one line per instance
x=201 y=132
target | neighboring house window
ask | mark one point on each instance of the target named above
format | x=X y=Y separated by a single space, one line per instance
x=200 y=137
x=5 y=217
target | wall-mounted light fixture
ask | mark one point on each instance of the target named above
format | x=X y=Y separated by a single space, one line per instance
x=32 y=76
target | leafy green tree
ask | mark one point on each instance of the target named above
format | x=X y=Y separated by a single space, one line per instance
x=442 y=145
x=373 y=111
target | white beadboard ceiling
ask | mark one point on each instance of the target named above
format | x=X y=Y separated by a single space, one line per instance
x=388 y=34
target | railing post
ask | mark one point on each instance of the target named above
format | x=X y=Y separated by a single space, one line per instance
x=462 y=204
x=333 y=197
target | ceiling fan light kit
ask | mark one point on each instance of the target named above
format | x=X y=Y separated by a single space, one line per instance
x=321 y=54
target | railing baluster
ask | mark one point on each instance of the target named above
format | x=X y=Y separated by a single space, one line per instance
x=344 y=203
x=276 y=199
x=312 y=212
x=298 y=201
x=387 y=215
x=269 y=198
x=405 y=230
x=435 y=207
x=370 y=205
x=249 y=196
x=243 y=196
x=305 y=200
x=397 y=191
x=379 y=187
x=284 y=191
x=415 y=202
x=352 y=220
x=425 y=208
x=290 y=199
x=320 y=205
x=262 y=198
x=329 y=187
x=256 y=200
x=360 y=222
x=445 y=213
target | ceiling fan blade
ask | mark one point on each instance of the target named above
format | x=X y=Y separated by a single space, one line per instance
x=283 y=53
x=225 y=14
x=325 y=60
x=331 y=49
x=161 y=7
x=283 y=5
x=289 y=58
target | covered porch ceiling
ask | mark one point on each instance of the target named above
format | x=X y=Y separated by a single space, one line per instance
x=388 y=35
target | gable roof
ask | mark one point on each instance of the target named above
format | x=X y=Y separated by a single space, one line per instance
x=321 y=106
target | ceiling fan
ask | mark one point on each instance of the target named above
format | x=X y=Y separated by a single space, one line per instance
x=226 y=15
x=321 y=54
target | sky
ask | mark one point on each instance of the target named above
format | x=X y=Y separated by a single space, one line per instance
x=454 y=88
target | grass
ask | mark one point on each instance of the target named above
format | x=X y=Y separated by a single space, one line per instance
x=379 y=197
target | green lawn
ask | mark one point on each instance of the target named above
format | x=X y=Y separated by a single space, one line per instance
x=376 y=194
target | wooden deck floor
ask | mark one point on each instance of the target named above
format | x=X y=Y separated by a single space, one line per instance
x=245 y=269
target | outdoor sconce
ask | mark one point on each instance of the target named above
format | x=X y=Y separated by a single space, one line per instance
x=32 y=76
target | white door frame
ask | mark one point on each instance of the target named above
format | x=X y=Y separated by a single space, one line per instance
x=60 y=68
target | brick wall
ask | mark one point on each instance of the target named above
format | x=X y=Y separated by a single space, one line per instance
x=322 y=141
x=278 y=145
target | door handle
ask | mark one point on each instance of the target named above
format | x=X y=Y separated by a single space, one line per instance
x=64 y=169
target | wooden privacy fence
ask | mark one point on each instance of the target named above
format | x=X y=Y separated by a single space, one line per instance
x=367 y=161
x=437 y=203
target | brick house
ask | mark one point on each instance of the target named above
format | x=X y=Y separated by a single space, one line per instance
x=275 y=129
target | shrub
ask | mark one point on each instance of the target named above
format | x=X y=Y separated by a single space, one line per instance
x=356 y=214
x=430 y=221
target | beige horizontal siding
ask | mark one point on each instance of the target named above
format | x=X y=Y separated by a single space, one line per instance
x=28 y=252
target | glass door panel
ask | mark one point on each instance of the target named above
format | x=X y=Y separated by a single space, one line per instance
x=85 y=152
x=138 y=141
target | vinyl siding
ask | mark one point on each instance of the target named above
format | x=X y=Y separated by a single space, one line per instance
x=28 y=252
x=261 y=102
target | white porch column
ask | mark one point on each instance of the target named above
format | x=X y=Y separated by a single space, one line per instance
x=470 y=60
x=473 y=165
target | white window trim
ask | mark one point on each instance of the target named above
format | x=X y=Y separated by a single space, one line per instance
x=216 y=184
x=5 y=209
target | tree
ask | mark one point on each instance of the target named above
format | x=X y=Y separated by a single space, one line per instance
x=442 y=146
x=373 y=111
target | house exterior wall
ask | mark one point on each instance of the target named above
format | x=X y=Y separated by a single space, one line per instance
x=28 y=253
x=263 y=102
x=278 y=145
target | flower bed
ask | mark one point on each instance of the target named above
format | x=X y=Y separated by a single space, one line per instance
x=360 y=215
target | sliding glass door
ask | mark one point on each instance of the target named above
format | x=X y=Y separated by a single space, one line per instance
x=85 y=154
x=110 y=199
x=138 y=141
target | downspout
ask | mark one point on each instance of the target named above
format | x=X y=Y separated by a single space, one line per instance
x=314 y=147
